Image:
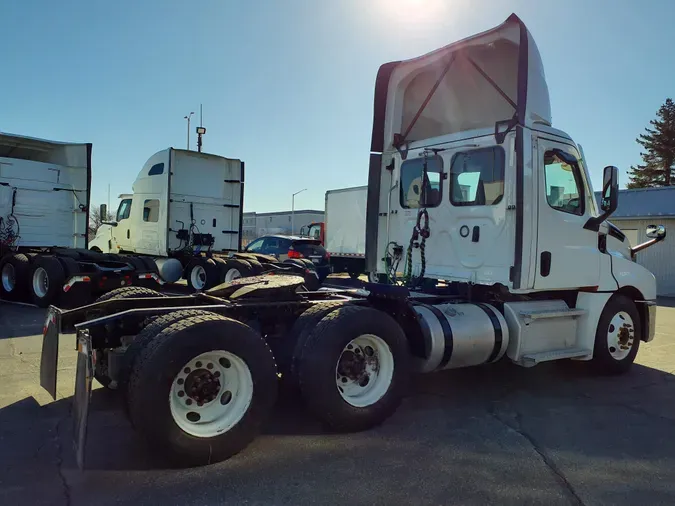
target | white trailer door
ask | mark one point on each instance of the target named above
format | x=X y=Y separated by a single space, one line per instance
x=567 y=254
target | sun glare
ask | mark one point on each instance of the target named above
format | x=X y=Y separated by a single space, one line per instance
x=411 y=11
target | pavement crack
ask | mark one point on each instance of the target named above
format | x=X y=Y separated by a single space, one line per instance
x=516 y=426
x=59 y=460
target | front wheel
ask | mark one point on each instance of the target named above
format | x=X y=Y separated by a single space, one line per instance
x=618 y=336
x=354 y=368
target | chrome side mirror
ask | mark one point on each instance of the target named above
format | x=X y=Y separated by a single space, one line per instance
x=656 y=232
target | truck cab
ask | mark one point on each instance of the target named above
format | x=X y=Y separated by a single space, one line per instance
x=471 y=185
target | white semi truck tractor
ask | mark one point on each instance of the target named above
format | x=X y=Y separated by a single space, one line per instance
x=482 y=217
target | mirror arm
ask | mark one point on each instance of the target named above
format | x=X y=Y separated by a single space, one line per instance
x=111 y=223
x=644 y=245
x=594 y=222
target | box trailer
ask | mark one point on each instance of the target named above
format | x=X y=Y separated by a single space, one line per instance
x=345 y=229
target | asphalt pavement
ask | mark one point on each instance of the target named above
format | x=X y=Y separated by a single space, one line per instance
x=500 y=434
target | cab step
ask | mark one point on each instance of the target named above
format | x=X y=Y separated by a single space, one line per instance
x=547 y=356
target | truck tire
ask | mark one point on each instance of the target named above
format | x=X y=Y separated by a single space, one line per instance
x=176 y=399
x=47 y=277
x=126 y=292
x=618 y=336
x=130 y=292
x=146 y=335
x=201 y=274
x=14 y=276
x=256 y=267
x=289 y=349
x=354 y=368
x=236 y=268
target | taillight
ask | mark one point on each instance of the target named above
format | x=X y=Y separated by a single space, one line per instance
x=294 y=254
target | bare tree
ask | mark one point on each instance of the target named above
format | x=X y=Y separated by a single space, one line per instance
x=95 y=220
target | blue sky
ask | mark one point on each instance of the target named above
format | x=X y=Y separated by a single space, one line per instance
x=287 y=85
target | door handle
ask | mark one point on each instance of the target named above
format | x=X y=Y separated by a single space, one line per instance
x=475 y=237
x=545 y=263
x=128 y=234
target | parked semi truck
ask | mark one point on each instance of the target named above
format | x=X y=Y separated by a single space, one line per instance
x=44 y=214
x=183 y=220
x=505 y=256
x=185 y=207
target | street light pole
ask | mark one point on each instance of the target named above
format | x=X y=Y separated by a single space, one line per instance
x=188 y=126
x=293 y=210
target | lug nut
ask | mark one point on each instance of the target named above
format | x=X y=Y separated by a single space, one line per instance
x=198 y=365
x=186 y=370
x=200 y=403
x=180 y=381
x=209 y=365
x=181 y=393
x=216 y=374
x=188 y=401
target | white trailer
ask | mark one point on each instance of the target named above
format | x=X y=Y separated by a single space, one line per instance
x=490 y=212
x=345 y=229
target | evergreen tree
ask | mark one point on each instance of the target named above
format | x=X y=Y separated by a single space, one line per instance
x=658 y=158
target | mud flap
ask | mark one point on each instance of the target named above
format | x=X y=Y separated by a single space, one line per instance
x=83 y=380
x=50 y=351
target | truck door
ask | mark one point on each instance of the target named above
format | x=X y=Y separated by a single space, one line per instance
x=121 y=240
x=567 y=254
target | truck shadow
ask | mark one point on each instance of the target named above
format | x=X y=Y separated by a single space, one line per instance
x=546 y=401
x=20 y=320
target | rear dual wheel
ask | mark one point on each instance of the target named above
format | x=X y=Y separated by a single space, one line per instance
x=200 y=390
x=202 y=274
x=14 y=276
x=353 y=368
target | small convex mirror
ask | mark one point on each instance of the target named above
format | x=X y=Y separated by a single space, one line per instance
x=656 y=231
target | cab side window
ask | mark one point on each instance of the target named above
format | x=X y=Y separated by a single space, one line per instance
x=564 y=187
x=124 y=210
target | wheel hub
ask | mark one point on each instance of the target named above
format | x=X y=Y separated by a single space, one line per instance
x=364 y=370
x=202 y=385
